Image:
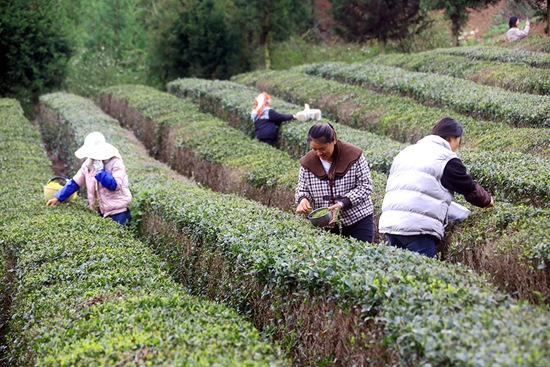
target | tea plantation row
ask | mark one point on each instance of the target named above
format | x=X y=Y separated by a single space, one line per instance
x=516 y=76
x=83 y=291
x=486 y=241
x=492 y=53
x=398 y=117
x=463 y=96
x=329 y=299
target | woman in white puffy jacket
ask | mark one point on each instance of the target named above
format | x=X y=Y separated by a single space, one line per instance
x=104 y=175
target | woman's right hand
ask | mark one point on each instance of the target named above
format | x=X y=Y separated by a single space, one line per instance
x=52 y=201
x=527 y=22
x=304 y=206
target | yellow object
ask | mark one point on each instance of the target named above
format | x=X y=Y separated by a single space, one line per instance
x=52 y=187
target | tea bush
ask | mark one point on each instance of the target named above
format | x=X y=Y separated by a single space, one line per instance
x=463 y=96
x=183 y=129
x=518 y=178
x=234 y=102
x=85 y=292
x=513 y=76
x=395 y=116
x=493 y=53
x=408 y=309
x=227 y=99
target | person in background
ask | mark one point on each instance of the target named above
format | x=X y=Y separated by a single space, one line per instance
x=104 y=175
x=335 y=174
x=421 y=184
x=514 y=33
x=266 y=120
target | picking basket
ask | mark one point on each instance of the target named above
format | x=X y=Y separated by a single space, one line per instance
x=320 y=217
x=54 y=185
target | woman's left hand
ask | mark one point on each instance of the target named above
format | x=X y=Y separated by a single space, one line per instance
x=335 y=209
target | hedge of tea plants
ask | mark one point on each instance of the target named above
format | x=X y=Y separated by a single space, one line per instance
x=533 y=44
x=509 y=241
x=513 y=76
x=395 y=116
x=492 y=53
x=522 y=172
x=513 y=177
x=361 y=303
x=198 y=145
x=237 y=102
x=85 y=292
x=463 y=96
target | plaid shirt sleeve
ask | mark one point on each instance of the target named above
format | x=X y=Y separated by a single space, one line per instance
x=363 y=188
x=302 y=191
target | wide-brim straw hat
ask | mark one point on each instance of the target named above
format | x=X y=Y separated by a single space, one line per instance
x=95 y=147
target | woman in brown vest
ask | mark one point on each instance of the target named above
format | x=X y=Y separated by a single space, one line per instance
x=335 y=174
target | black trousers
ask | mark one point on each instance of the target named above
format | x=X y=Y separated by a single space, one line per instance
x=362 y=230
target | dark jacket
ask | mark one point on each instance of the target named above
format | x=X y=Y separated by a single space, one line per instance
x=266 y=126
x=456 y=178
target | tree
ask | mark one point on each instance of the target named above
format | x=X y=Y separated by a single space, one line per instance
x=195 y=39
x=541 y=8
x=456 y=11
x=114 y=25
x=111 y=47
x=383 y=20
x=266 y=21
x=35 y=47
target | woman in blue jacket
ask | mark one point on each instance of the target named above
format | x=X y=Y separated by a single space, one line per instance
x=266 y=120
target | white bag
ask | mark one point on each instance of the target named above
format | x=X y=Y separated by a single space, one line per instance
x=457 y=211
x=308 y=114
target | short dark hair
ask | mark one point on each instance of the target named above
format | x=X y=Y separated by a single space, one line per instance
x=448 y=128
x=512 y=22
x=321 y=133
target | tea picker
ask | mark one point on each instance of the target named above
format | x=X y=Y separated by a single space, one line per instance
x=104 y=175
x=335 y=176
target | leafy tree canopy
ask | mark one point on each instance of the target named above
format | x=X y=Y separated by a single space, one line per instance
x=383 y=20
x=194 y=38
x=456 y=11
x=266 y=21
x=35 y=46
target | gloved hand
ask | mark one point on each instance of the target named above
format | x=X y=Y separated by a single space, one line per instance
x=98 y=165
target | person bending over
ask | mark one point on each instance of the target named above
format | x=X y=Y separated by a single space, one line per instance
x=104 y=175
x=421 y=185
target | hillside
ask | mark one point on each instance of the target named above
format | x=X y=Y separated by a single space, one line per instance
x=480 y=21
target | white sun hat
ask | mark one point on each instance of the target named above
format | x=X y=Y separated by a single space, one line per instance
x=95 y=147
